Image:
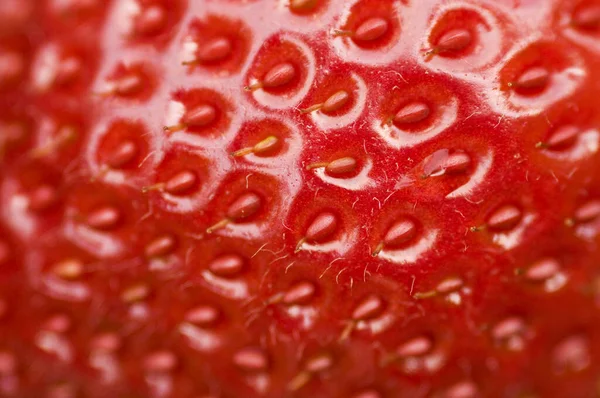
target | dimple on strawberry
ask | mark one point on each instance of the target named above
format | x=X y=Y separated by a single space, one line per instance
x=299 y=198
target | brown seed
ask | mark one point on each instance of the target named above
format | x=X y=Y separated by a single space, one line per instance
x=59 y=323
x=457 y=162
x=299 y=294
x=279 y=75
x=62 y=390
x=463 y=389
x=563 y=137
x=105 y=218
x=335 y=101
x=318 y=363
x=214 y=50
x=369 y=308
x=414 y=112
x=449 y=285
x=322 y=227
x=160 y=362
x=68 y=269
x=303 y=5
x=227 y=265
x=588 y=212
x=107 y=342
x=161 y=246
x=505 y=218
x=12 y=67
x=128 y=85
x=441 y=162
x=400 y=233
x=135 y=293
x=533 y=78
x=453 y=40
x=508 y=328
x=3 y=305
x=181 y=183
x=151 y=20
x=8 y=363
x=4 y=252
x=341 y=166
x=267 y=146
x=371 y=29
x=43 y=198
x=200 y=116
x=123 y=154
x=416 y=347
x=587 y=17
x=203 y=315
x=245 y=206
x=68 y=70
x=542 y=270
x=572 y=354
x=251 y=360
x=367 y=394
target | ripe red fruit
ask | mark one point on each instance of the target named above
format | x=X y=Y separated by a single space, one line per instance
x=299 y=198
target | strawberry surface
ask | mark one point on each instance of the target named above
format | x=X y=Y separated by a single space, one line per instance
x=299 y=198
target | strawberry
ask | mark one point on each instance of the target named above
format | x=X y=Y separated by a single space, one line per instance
x=299 y=198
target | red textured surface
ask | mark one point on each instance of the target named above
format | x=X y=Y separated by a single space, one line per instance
x=457 y=258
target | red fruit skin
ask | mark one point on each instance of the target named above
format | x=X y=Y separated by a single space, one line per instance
x=251 y=249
